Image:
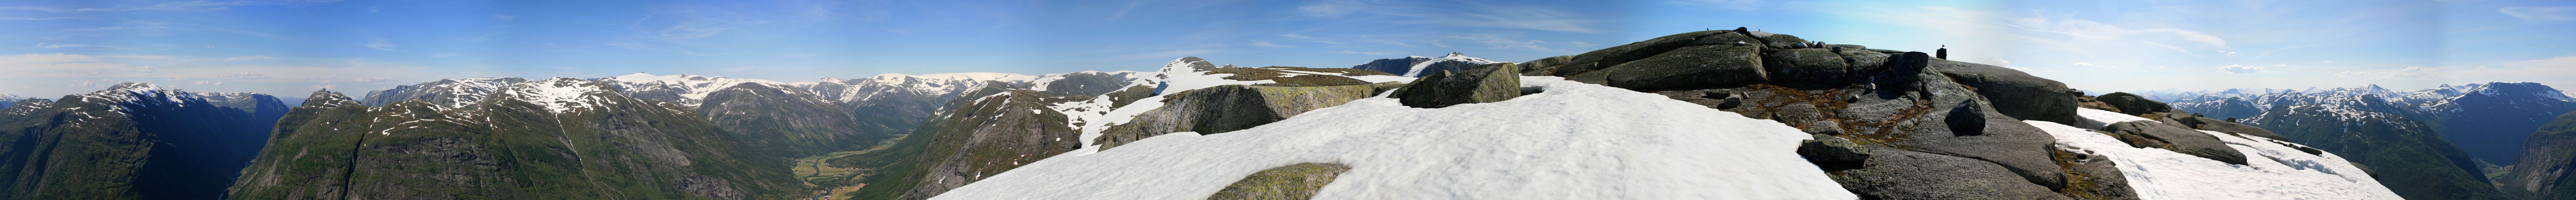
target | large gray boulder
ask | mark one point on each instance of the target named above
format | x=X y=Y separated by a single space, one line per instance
x=2145 y=134
x=1483 y=84
x=2133 y=104
x=2013 y=92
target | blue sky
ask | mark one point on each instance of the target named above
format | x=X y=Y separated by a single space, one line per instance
x=52 y=48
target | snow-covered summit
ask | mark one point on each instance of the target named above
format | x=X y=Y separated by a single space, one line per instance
x=559 y=94
x=685 y=90
x=450 y=93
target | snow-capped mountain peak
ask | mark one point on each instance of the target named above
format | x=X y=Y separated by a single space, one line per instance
x=1420 y=67
x=139 y=92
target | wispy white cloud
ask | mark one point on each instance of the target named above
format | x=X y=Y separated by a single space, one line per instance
x=2195 y=36
x=51 y=46
x=1293 y=36
x=1166 y=54
x=242 y=58
x=2541 y=13
x=380 y=44
x=1722 y=4
x=1259 y=43
x=1331 y=8
x=198 y=5
x=1580 y=44
x=2408 y=73
x=1499 y=42
x=1472 y=14
x=2242 y=69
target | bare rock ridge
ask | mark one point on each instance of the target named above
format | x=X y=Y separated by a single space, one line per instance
x=1890 y=124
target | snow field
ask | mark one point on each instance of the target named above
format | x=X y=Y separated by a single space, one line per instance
x=1575 y=141
x=2273 y=171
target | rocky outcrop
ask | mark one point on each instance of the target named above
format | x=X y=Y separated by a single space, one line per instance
x=1298 y=181
x=976 y=138
x=1229 y=108
x=1929 y=128
x=2144 y=134
x=1484 y=84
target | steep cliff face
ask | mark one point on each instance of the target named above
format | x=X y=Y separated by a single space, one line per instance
x=2547 y=159
x=547 y=139
x=132 y=141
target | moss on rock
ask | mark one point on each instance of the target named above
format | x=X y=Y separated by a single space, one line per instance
x=1298 y=181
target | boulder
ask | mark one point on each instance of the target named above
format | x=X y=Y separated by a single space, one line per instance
x=2014 y=93
x=1904 y=72
x=1807 y=69
x=1483 y=84
x=1712 y=66
x=2133 y=104
x=2143 y=134
x=1545 y=66
x=1298 y=181
x=1833 y=153
x=2092 y=176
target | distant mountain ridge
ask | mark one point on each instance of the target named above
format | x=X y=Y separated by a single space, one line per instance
x=1417 y=66
x=2489 y=120
x=556 y=138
